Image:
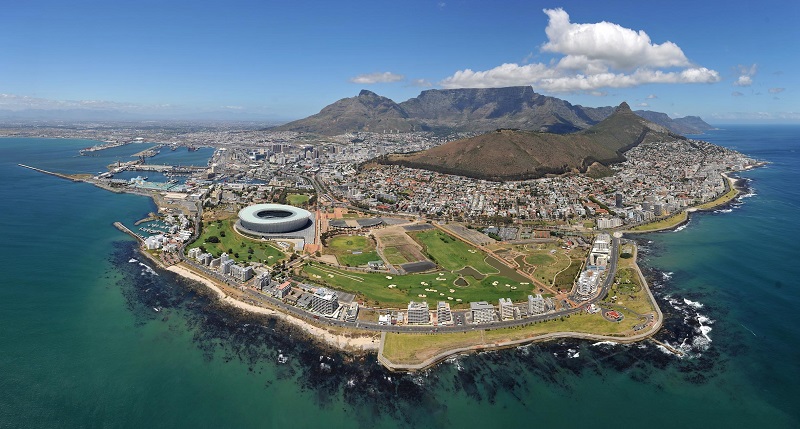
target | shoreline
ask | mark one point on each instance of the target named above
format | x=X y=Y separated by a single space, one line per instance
x=356 y=344
x=705 y=207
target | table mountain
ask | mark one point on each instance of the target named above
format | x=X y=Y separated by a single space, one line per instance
x=467 y=109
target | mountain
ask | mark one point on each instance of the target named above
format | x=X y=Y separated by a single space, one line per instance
x=518 y=155
x=466 y=109
x=366 y=112
x=686 y=125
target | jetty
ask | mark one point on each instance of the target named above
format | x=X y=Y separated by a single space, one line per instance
x=125 y=229
x=63 y=176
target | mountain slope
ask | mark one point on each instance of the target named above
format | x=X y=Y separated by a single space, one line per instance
x=467 y=109
x=519 y=155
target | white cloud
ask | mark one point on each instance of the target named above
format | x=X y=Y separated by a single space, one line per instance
x=602 y=55
x=651 y=96
x=617 y=46
x=745 y=75
x=776 y=90
x=737 y=94
x=643 y=105
x=371 y=78
x=421 y=83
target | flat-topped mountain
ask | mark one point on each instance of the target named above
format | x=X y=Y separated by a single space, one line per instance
x=467 y=109
x=519 y=155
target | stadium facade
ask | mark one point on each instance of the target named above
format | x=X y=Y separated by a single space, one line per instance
x=262 y=219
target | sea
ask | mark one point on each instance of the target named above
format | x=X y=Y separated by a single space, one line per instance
x=82 y=345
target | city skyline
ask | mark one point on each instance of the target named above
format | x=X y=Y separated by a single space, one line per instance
x=280 y=62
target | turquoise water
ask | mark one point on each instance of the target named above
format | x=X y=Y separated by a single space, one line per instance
x=81 y=346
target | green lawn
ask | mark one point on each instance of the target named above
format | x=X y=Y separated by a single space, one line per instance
x=393 y=256
x=230 y=240
x=343 y=247
x=358 y=259
x=297 y=199
x=348 y=243
x=375 y=287
x=415 y=348
x=540 y=259
x=450 y=253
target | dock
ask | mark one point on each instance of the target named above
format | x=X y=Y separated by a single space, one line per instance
x=63 y=176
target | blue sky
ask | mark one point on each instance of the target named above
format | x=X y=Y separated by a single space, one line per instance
x=724 y=61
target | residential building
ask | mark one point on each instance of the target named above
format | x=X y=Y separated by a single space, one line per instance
x=482 y=312
x=536 y=304
x=241 y=273
x=506 y=308
x=443 y=313
x=418 y=313
x=263 y=280
x=324 y=301
x=194 y=252
x=283 y=290
x=225 y=265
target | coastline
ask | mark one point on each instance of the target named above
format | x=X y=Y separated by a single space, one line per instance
x=362 y=343
x=721 y=201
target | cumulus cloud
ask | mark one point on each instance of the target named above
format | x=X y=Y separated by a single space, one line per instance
x=745 y=75
x=594 y=56
x=371 y=78
x=776 y=90
x=611 y=44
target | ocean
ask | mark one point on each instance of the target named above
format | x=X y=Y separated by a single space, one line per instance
x=81 y=346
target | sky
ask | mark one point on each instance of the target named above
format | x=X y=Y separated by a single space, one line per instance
x=726 y=61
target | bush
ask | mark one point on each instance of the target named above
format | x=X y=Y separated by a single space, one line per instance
x=213 y=239
x=625 y=255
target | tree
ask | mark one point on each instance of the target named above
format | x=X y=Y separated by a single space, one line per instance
x=213 y=239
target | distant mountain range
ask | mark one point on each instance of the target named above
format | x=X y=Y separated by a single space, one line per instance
x=469 y=109
x=506 y=154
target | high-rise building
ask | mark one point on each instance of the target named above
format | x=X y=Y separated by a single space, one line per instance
x=241 y=273
x=618 y=200
x=506 y=309
x=263 y=280
x=418 y=313
x=324 y=301
x=536 y=304
x=482 y=312
x=443 y=313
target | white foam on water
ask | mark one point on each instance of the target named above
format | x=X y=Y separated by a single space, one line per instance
x=693 y=304
x=132 y=260
x=605 y=343
x=681 y=228
x=147 y=269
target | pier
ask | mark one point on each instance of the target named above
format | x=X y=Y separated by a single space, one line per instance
x=125 y=229
x=63 y=176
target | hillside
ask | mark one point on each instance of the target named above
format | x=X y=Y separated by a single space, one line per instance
x=468 y=109
x=519 y=155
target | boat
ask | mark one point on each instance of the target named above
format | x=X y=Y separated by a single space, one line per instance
x=156 y=309
x=282 y=358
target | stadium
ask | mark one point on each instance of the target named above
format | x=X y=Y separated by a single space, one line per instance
x=263 y=219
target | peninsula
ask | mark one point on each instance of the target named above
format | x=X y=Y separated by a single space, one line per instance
x=418 y=265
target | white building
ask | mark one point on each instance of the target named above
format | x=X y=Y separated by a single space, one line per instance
x=194 y=252
x=241 y=273
x=536 y=304
x=225 y=265
x=506 y=309
x=324 y=301
x=418 y=313
x=263 y=280
x=482 y=312
x=443 y=313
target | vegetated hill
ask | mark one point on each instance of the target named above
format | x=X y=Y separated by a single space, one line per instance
x=466 y=109
x=519 y=155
